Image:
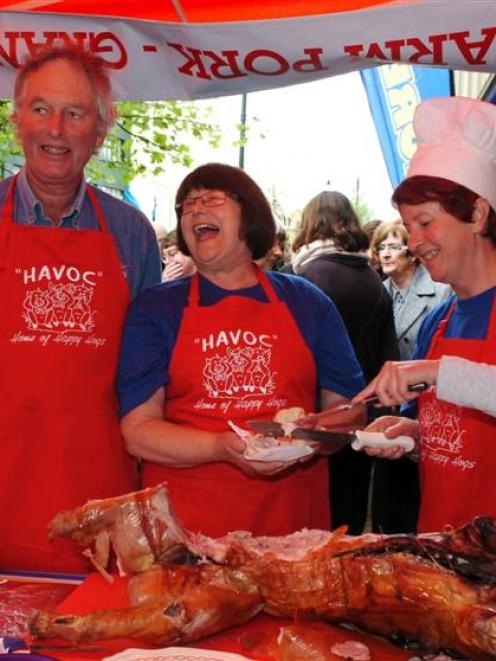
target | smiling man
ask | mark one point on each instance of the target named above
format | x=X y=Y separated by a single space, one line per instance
x=230 y=343
x=71 y=258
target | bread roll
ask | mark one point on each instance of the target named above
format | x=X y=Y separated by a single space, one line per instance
x=289 y=415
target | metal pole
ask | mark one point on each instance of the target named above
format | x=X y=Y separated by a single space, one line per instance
x=242 y=132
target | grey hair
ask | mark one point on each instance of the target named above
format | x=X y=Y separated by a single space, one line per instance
x=92 y=66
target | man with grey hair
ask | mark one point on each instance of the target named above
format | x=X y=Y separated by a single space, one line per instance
x=71 y=257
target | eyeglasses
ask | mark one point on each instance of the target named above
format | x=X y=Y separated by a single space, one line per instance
x=213 y=198
x=393 y=247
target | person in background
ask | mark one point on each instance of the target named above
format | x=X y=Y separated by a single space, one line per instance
x=330 y=250
x=457 y=380
x=176 y=263
x=276 y=258
x=448 y=205
x=414 y=294
x=230 y=343
x=162 y=241
x=369 y=229
x=71 y=258
x=408 y=282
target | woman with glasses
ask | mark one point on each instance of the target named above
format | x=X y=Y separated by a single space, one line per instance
x=448 y=205
x=412 y=289
x=414 y=294
x=230 y=343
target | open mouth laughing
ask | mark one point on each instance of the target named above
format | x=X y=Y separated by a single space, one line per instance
x=205 y=230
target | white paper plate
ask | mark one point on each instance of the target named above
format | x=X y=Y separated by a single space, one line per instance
x=280 y=453
x=175 y=654
x=283 y=452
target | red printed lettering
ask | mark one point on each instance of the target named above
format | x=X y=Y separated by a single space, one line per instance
x=480 y=48
x=228 y=62
x=434 y=54
x=267 y=55
x=355 y=50
x=312 y=63
x=10 y=55
x=103 y=43
x=193 y=65
x=98 y=43
x=428 y=51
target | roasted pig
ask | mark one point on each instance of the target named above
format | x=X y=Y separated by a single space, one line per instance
x=436 y=590
x=181 y=604
x=139 y=527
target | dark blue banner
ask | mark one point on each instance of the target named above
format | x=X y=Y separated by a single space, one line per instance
x=393 y=92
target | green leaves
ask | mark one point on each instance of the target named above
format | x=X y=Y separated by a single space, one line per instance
x=148 y=137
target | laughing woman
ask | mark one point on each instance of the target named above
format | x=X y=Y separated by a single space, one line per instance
x=230 y=343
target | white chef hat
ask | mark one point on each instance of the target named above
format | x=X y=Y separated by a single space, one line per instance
x=456 y=139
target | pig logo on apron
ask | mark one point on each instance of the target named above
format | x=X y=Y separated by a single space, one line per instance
x=239 y=371
x=58 y=304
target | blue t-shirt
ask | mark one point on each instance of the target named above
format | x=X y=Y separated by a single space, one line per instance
x=154 y=319
x=469 y=321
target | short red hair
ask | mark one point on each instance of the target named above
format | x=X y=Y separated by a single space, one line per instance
x=454 y=198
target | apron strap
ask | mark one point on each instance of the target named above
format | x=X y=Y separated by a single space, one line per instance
x=263 y=280
x=7 y=211
x=100 y=216
x=7 y=216
x=491 y=329
x=6 y=220
x=194 y=291
x=441 y=329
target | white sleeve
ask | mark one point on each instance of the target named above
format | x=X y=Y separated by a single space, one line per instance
x=467 y=383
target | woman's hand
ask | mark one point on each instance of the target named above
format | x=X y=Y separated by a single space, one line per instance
x=152 y=438
x=233 y=448
x=392 y=426
x=172 y=271
x=392 y=382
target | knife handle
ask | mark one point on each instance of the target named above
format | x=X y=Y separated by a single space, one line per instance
x=415 y=387
x=376 y=439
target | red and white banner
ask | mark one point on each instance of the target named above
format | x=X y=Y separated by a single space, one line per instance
x=152 y=58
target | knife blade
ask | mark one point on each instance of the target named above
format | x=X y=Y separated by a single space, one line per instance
x=278 y=430
x=326 y=416
x=356 y=437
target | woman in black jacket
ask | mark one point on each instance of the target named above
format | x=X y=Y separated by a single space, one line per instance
x=331 y=251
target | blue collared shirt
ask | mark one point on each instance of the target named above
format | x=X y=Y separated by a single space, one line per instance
x=133 y=233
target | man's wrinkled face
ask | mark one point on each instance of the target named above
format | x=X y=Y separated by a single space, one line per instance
x=57 y=123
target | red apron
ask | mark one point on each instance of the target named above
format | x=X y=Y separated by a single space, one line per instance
x=59 y=341
x=237 y=360
x=457 y=458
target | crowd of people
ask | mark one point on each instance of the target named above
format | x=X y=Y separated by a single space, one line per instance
x=127 y=355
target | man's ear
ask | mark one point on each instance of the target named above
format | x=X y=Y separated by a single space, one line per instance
x=14 y=119
x=480 y=213
x=100 y=139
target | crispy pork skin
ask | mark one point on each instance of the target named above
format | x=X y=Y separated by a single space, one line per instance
x=437 y=590
x=139 y=527
x=179 y=605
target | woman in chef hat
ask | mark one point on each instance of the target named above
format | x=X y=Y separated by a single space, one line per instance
x=448 y=204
